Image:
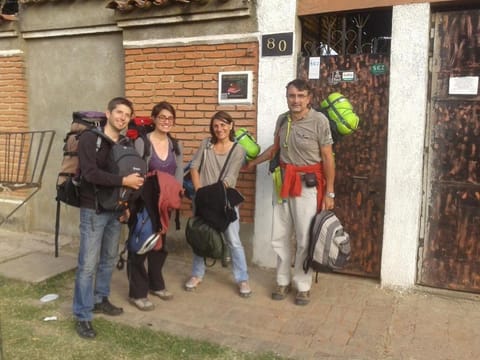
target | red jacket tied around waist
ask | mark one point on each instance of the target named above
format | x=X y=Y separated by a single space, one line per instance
x=292 y=181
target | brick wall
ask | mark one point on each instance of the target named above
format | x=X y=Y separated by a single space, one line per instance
x=13 y=118
x=187 y=77
x=13 y=94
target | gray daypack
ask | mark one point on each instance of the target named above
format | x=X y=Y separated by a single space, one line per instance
x=123 y=160
x=329 y=245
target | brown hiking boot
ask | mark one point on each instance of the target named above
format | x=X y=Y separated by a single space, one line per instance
x=280 y=292
x=302 y=298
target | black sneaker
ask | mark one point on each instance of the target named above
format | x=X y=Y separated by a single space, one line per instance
x=107 y=308
x=85 y=329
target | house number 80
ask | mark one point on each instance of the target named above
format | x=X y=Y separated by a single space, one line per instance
x=277 y=44
x=281 y=45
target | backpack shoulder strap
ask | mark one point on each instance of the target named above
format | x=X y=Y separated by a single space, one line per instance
x=123 y=140
x=226 y=161
x=174 y=144
x=100 y=136
x=284 y=119
x=143 y=146
x=147 y=149
x=99 y=132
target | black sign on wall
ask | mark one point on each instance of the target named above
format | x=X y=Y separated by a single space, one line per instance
x=277 y=44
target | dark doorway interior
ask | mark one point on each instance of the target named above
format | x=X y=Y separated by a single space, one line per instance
x=347 y=33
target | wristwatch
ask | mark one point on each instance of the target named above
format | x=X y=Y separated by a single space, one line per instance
x=331 y=195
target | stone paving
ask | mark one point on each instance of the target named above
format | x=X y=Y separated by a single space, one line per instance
x=348 y=317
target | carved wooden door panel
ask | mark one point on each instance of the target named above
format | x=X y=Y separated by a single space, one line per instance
x=449 y=254
x=361 y=157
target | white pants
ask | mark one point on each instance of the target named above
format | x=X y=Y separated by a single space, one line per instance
x=293 y=217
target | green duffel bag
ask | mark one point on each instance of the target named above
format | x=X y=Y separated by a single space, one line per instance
x=340 y=112
x=204 y=240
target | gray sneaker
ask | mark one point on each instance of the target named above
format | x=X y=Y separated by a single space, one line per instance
x=192 y=283
x=302 y=298
x=162 y=294
x=244 y=289
x=142 y=304
x=280 y=292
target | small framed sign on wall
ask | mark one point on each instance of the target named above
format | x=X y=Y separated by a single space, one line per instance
x=235 y=87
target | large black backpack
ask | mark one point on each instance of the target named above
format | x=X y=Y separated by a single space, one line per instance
x=68 y=180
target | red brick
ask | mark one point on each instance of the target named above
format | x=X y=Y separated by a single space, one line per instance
x=205 y=93
x=194 y=70
x=206 y=77
x=247 y=61
x=186 y=107
x=206 y=107
x=175 y=56
x=133 y=51
x=238 y=53
x=174 y=71
x=193 y=85
x=183 y=78
x=203 y=48
x=226 y=46
x=225 y=62
x=205 y=62
x=183 y=92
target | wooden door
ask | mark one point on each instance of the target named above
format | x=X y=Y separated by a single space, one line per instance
x=449 y=254
x=361 y=157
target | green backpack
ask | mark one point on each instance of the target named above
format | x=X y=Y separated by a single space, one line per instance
x=343 y=120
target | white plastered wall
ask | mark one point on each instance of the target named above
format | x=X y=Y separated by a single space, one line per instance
x=274 y=73
x=406 y=133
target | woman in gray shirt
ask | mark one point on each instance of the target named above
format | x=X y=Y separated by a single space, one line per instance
x=206 y=167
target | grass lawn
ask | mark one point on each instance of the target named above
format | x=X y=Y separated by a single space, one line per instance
x=25 y=335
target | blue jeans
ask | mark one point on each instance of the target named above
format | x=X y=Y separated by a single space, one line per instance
x=239 y=263
x=99 y=238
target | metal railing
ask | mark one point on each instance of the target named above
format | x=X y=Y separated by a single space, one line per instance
x=23 y=158
x=345 y=35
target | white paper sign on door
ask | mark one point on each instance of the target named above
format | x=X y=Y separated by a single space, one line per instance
x=314 y=67
x=463 y=85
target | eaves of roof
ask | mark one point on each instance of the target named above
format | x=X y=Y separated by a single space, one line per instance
x=128 y=5
x=120 y=5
